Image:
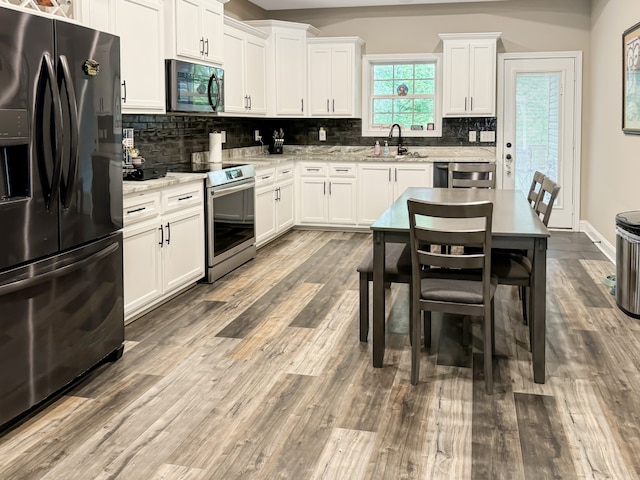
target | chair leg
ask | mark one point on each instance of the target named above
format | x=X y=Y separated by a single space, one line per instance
x=364 y=307
x=493 y=327
x=415 y=346
x=523 y=298
x=488 y=347
x=426 y=321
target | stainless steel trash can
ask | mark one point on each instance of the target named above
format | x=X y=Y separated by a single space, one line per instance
x=628 y=262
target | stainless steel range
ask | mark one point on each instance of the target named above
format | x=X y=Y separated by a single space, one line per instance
x=229 y=217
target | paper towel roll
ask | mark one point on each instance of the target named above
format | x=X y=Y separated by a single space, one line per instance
x=215 y=147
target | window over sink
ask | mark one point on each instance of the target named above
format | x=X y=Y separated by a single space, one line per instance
x=403 y=89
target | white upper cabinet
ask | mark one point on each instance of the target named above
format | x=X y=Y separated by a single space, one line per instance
x=98 y=15
x=335 y=66
x=245 y=69
x=469 y=65
x=140 y=25
x=286 y=66
x=194 y=30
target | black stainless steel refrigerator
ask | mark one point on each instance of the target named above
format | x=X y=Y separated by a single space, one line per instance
x=61 y=294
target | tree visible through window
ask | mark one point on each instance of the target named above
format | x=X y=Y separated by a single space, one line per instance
x=403 y=93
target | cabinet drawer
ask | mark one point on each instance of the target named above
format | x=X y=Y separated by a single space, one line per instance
x=313 y=170
x=182 y=196
x=265 y=177
x=284 y=172
x=343 y=170
x=139 y=207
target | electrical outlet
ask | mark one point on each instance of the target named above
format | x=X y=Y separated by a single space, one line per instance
x=198 y=157
x=223 y=136
x=256 y=135
x=488 y=136
x=322 y=135
x=472 y=135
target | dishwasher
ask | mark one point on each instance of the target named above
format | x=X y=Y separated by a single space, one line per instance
x=441 y=174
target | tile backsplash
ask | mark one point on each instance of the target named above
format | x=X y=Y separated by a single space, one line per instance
x=170 y=139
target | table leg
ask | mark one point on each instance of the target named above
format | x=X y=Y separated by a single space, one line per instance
x=378 y=298
x=539 y=311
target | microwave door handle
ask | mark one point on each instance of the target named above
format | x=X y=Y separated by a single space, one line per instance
x=67 y=193
x=214 y=78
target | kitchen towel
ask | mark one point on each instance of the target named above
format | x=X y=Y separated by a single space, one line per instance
x=215 y=147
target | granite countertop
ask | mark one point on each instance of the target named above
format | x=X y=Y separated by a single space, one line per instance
x=172 y=178
x=365 y=154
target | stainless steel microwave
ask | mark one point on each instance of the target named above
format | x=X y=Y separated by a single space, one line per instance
x=194 y=88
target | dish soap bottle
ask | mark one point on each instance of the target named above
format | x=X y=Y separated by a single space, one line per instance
x=386 y=148
x=376 y=148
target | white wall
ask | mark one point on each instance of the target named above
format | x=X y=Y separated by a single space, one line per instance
x=611 y=176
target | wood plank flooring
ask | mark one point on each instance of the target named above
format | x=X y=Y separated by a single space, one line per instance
x=261 y=376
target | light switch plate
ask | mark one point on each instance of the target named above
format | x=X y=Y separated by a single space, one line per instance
x=472 y=135
x=488 y=136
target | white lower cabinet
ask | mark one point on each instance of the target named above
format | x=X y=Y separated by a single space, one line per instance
x=327 y=193
x=163 y=244
x=274 y=202
x=381 y=184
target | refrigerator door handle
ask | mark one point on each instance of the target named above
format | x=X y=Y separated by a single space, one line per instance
x=57 y=273
x=48 y=75
x=74 y=131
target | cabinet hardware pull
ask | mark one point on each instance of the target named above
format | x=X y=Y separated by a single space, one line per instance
x=471 y=101
x=313 y=169
x=286 y=172
x=161 y=237
x=136 y=210
x=250 y=103
x=168 y=233
x=395 y=170
x=302 y=102
x=124 y=87
x=185 y=198
x=327 y=105
x=325 y=188
x=266 y=178
x=201 y=45
x=342 y=169
x=206 y=42
x=334 y=105
x=389 y=173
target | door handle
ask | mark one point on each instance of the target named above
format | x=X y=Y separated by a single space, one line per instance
x=74 y=132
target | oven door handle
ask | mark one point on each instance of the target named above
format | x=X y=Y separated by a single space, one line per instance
x=216 y=193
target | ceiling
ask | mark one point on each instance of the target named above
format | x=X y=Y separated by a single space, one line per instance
x=304 y=4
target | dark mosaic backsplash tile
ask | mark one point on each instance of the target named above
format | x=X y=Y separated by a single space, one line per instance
x=170 y=139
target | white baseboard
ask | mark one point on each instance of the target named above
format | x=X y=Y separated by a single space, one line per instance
x=599 y=241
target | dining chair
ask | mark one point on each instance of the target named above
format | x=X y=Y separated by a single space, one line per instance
x=534 y=189
x=457 y=283
x=397 y=269
x=472 y=175
x=515 y=268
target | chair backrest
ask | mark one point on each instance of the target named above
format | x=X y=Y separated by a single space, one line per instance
x=472 y=175
x=547 y=197
x=460 y=224
x=534 y=189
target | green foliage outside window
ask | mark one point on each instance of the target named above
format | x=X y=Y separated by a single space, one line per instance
x=403 y=93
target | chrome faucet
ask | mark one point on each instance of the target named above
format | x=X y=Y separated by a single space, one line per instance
x=401 y=150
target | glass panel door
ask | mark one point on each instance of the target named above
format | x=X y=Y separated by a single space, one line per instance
x=539 y=128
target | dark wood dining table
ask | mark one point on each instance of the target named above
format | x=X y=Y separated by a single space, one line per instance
x=515 y=226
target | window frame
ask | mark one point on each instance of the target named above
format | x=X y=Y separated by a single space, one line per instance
x=368 y=61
